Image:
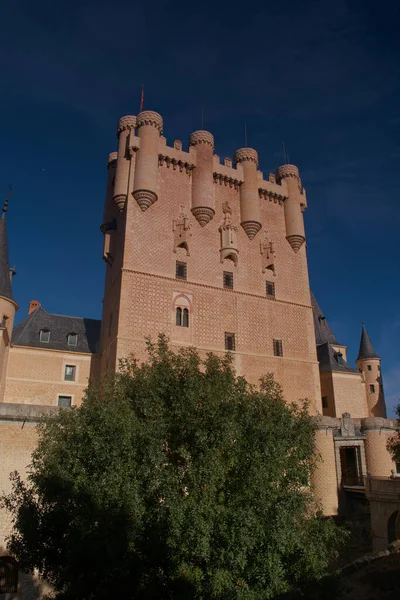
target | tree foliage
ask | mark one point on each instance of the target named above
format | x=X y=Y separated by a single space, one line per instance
x=175 y=479
x=394 y=441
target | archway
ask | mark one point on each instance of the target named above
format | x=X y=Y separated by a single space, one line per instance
x=391 y=527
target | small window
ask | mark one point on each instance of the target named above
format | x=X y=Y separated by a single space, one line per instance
x=230 y=341
x=178 y=316
x=324 y=401
x=379 y=367
x=69 y=374
x=181 y=270
x=72 y=339
x=398 y=468
x=278 y=350
x=8 y=575
x=270 y=289
x=339 y=358
x=372 y=388
x=185 y=318
x=64 y=401
x=44 y=336
x=228 y=280
x=369 y=367
x=4 y=321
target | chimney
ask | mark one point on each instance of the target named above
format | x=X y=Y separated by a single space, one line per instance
x=33 y=305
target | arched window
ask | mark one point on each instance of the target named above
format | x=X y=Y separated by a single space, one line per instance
x=185 y=320
x=8 y=575
x=178 y=316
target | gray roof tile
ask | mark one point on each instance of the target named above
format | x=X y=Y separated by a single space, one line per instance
x=366 y=348
x=27 y=332
x=327 y=360
x=323 y=332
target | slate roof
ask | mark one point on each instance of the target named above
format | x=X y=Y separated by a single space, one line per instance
x=323 y=332
x=5 y=281
x=27 y=333
x=327 y=361
x=366 y=348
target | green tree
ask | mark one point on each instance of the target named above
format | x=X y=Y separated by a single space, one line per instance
x=394 y=441
x=175 y=479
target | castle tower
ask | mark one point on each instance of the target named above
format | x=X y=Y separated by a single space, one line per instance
x=181 y=259
x=369 y=363
x=8 y=306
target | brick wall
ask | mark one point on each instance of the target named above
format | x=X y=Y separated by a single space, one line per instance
x=36 y=376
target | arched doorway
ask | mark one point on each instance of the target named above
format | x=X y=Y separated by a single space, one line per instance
x=391 y=527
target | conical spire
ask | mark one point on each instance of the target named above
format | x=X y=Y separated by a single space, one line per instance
x=366 y=347
x=323 y=333
x=5 y=278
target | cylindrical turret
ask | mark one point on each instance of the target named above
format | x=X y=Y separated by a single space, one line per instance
x=112 y=167
x=126 y=126
x=150 y=126
x=293 y=206
x=250 y=218
x=202 y=178
x=378 y=431
x=369 y=363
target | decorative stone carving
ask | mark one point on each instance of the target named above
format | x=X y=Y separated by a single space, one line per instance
x=267 y=253
x=149 y=117
x=178 y=145
x=181 y=229
x=225 y=180
x=271 y=196
x=228 y=162
x=347 y=426
x=144 y=198
x=180 y=164
x=296 y=241
x=228 y=231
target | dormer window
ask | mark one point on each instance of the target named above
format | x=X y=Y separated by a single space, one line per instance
x=72 y=339
x=339 y=358
x=44 y=336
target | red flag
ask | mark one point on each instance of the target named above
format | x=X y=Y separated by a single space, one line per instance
x=142 y=99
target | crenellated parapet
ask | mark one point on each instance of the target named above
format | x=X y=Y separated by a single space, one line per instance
x=151 y=119
x=201 y=137
x=126 y=123
x=246 y=154
x=250 y=218
x=112 y=159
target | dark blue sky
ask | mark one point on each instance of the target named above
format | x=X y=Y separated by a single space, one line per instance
x=321 y=75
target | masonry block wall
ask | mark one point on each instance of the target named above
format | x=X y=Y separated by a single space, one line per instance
x=36 y=376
